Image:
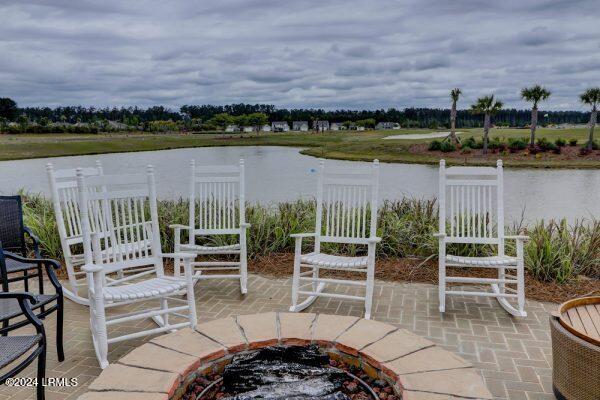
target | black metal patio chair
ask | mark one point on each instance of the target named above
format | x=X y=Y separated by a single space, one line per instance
x=46 y=303
x=13 y=233
x=13 y=347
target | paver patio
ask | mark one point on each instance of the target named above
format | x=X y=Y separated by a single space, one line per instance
x=513 y=355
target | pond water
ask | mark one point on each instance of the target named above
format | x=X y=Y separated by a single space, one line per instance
x=275 y=174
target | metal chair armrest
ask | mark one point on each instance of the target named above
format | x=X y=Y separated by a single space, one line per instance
x=16 y=257
x=24 y=299
x=49 y=264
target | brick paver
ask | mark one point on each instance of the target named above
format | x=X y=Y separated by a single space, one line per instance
x=513 y=355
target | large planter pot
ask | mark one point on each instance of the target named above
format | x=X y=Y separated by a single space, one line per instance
x=576 y=361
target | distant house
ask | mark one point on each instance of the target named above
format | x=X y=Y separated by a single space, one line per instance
x=387 y=125
x=335 y=126
x=280 y=126
x=232 y=128
x=117 y=125
x=300 y=126
x=266 y=128
x=321 y=125
x=360 y=128
x=248 y=129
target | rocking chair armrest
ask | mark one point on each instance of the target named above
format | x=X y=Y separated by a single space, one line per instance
x=245 y=225
x=303 y=235
x=91 y=268
x=440 y=235
x=523 y=238
x=179 y=255
x=179 y=226
x=373 y=239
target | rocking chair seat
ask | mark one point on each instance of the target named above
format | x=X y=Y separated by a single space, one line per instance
x=332 y=261
x=146 y=289
x=232 y=248
x=482 y=261
x=13 y=347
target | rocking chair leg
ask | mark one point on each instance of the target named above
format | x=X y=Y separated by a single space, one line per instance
x=295 y=284
x=309 y=300
x=164 y=305
x=369 y=289
x=442 y=278
x=243 y=270
x=520 y=278
x=99 y=332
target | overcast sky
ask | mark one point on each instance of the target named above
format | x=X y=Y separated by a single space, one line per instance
x=296 y=53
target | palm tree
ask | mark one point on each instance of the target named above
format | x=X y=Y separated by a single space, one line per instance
x=488 y=106
x=534 y=94
x=454 y=95
x=591 y=97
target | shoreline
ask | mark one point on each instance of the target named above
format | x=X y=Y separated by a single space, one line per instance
x=330 y=145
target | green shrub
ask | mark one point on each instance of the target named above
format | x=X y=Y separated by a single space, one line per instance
x=545 y=145
x=466 y=150
x=435 y=145
x=517 y=143
x=447 y=147
x=572 y=142
x=560 y=142
x=469 y=142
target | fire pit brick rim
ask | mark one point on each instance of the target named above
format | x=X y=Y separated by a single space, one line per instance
x=294 y=334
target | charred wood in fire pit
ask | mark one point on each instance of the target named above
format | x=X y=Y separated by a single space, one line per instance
x=293 y=372
x=307 y=355
x=313 y=389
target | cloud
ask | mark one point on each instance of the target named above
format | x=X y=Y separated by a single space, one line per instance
x=306 y=53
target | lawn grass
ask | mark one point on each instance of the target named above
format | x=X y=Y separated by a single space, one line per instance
x=346 y=145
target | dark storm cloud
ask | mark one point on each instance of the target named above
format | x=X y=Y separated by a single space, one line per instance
x=305 y=53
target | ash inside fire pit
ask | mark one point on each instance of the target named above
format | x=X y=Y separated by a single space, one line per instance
x=289 y=372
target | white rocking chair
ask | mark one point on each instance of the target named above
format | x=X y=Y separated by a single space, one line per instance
x=470 y=199
x=346 y=213
x=217 y=207
x=124 y=211
x=63 y=185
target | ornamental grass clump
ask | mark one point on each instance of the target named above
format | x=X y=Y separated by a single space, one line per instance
x=557 y=251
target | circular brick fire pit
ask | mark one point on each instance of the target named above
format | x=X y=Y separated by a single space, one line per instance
x=163 y=368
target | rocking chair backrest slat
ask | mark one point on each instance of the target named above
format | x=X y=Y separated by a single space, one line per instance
x=122 y=211
x=471 y=203
x=217 y=202
x=65 y=199
x=347 y=205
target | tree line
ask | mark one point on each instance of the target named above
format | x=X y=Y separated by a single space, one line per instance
x=409 y=117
